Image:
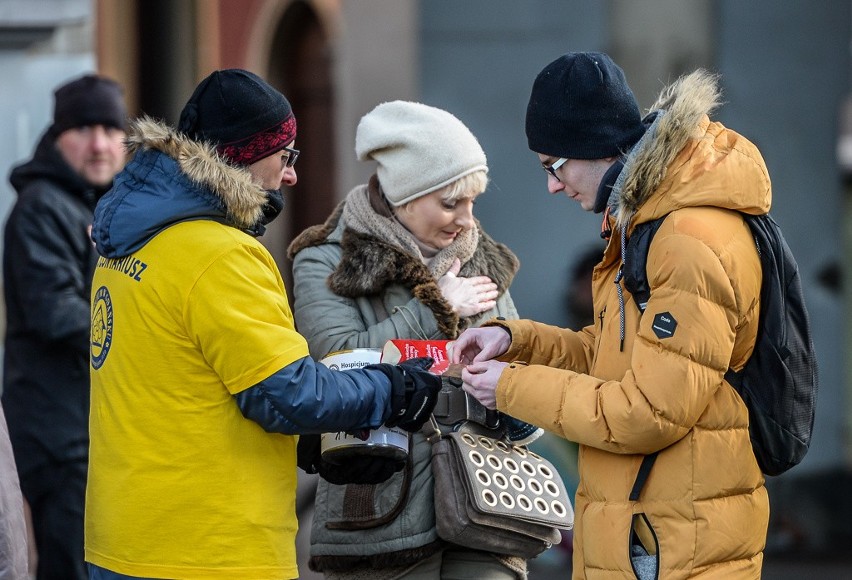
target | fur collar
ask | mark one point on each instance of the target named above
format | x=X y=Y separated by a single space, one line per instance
x=369 y=265
x=242 y=196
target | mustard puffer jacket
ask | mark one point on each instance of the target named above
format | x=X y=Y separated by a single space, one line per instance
x=704 y=505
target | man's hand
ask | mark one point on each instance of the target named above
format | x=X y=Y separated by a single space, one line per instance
x=479 y=344
x=414 y=392
x=480 y=381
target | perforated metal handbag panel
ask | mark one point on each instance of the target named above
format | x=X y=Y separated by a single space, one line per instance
x=508 y=479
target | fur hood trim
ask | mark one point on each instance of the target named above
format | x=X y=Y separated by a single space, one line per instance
x=680 y=108
x=242 y=196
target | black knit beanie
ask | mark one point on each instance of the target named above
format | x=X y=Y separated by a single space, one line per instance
x=240 y=114
x=582 y=108
x=88 y=100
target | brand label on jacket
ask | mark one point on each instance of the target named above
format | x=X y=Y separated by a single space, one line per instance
x=664 y=325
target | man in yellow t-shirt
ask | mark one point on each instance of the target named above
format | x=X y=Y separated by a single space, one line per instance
x=199 y=378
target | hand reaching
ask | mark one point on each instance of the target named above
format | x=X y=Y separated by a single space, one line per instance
x=467 y=296
x=479 y=344
x=414 y=392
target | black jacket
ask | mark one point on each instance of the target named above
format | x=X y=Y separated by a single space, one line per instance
x=48 y=261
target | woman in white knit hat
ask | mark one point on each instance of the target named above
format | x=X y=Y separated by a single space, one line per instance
x=401 y=257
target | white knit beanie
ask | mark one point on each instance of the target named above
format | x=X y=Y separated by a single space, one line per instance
x=418 y=148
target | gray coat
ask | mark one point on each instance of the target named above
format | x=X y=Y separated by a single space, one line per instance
x=355 y=291
x=13 y=529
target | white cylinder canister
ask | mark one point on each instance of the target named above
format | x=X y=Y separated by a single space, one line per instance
x=382 y=442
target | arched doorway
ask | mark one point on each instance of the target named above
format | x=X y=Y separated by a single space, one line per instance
x=300 y=66
x=165 y=57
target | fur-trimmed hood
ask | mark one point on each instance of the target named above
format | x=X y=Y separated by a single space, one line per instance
x=368 y=265
x=170 y=179
x=686 y=160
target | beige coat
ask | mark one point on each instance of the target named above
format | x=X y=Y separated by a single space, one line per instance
x=705 y=499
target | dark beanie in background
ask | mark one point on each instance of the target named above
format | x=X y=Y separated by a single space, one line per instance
x=582 y=108
x=240 y=114
x=89 y=100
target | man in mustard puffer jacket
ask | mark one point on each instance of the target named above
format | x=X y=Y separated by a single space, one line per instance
x=632 y=384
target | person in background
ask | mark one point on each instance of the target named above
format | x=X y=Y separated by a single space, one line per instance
x=200 y=381
x=402 y=257
x=578 y=295
x=48 y=261
x=634 y=384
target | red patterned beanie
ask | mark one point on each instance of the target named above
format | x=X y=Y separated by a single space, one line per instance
x=240 y=114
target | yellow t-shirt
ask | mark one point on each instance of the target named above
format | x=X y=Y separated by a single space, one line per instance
x=181 y=485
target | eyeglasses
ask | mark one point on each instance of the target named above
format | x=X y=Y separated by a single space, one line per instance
x=551 y=169
x=292 y=156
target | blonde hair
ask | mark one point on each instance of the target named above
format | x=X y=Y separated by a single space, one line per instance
x=466 y=186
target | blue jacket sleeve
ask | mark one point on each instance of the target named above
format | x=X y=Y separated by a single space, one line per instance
x=306 y=397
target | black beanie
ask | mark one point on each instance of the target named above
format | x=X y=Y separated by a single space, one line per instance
x=582 y=108
x=240 y=114
x=89 y=100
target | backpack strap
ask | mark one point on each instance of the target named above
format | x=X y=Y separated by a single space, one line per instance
x=636 y=282
x=734 y=378
x=642 y=476
x=635 y=260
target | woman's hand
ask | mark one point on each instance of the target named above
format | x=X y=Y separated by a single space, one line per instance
x=467 y=296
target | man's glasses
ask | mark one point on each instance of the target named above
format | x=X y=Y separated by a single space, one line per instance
x=551 y=169
x=292 y=156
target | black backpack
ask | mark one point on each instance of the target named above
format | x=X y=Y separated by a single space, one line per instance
x=779 y=381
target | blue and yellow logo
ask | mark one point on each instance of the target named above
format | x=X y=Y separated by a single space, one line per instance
x=101 y=327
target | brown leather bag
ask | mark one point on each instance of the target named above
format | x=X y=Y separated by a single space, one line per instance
x=494 y=496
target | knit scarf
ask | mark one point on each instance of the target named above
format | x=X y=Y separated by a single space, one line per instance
x=367 y=212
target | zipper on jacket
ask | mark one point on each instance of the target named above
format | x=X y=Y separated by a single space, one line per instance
x=619 y=290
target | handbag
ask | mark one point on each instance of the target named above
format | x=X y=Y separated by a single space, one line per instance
x=494 y=496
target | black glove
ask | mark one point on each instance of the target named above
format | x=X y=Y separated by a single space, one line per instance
x=363 y=469
x=414 y=392
x=308 y=454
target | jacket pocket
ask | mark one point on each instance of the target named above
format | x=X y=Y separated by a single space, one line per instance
x=644 y=548
x=365 y=506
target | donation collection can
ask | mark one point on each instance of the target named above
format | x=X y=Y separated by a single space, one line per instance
x=341 y=447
